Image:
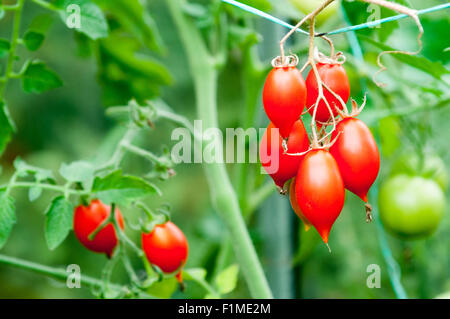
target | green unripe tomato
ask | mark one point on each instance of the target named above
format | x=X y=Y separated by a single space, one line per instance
x=433 y=168
x=307 y=6
x=411 y=207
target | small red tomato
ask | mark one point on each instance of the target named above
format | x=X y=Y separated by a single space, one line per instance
x=295 y=207
x=88 y=218
x=284 y=97
x=333 y=76
x=282 y=167
x=357 y=156
x=166 y=247
x=319 y=190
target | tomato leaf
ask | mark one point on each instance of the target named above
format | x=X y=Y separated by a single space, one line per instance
x=58 y=222
x=135 y=18
x=77 y=171
x=24 y=169
x=38 y=78
x=7 y=217
x=227 y=279
x=125 y=74
x=33 y=40
x=118 y=188
x=34 y=193
x=194 y=274
x=435 y=69
x=35 y=35
x=4 y=47
x=91 y=20
x=164 y=288
x=6 y=127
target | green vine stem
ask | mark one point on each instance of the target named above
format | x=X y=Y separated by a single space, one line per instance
x=61 y=274
x=17 y=9
x=393 y=267
x=224 y=198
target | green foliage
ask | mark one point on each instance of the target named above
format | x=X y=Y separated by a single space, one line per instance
x=6 y=127
x=58 y=221
x=80 y=171
x=133 y=16
x=40 y=174
x=38 y=78
x=92 y=20
x=33 y=40
x=4 y=47
x=7 y=216
x=435 y=69
x=126 y=73
x=226 y=281
x=118 y=188
x=35 y=35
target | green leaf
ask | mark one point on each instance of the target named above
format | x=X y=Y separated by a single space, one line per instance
x=122 y=50
x=2 y=13
x=33 y=40
x=125 y=74
x=35 y=35
x=226 y=281
x=194 y=274
x=435 y=69
x=163 y=289
x=195 y=10
x=24 y=169
x=7 y=217
x=88 y=20
x=4 y=47
x=7 y=127
x=38 y=78
x=136 y=19
x=58 y=221
x=118 y=188
x=77 y=171
x=34 y=193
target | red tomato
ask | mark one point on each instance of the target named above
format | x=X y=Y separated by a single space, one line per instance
x=166 y=247
x=295 y=207
x=333 y=76
x=357 y=156
x=284 y=97
x=282 y=167
x=88 y=218
x=319 y=190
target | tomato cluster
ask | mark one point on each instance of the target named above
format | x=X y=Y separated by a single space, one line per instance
x=321 y=171
x=165 y=246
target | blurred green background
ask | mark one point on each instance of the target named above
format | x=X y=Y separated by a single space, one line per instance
x=69 y=124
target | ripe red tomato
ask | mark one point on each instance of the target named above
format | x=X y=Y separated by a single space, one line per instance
x=284 y=97
x=282 y=167
x=335 y=77
x=319 y=190
x=88 y=218
x=357 y=156
x=295 y=207
x=166 y=247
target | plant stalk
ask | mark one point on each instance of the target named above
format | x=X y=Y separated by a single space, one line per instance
x=224 y=198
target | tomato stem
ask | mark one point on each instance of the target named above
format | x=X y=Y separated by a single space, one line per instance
x=223 y=195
